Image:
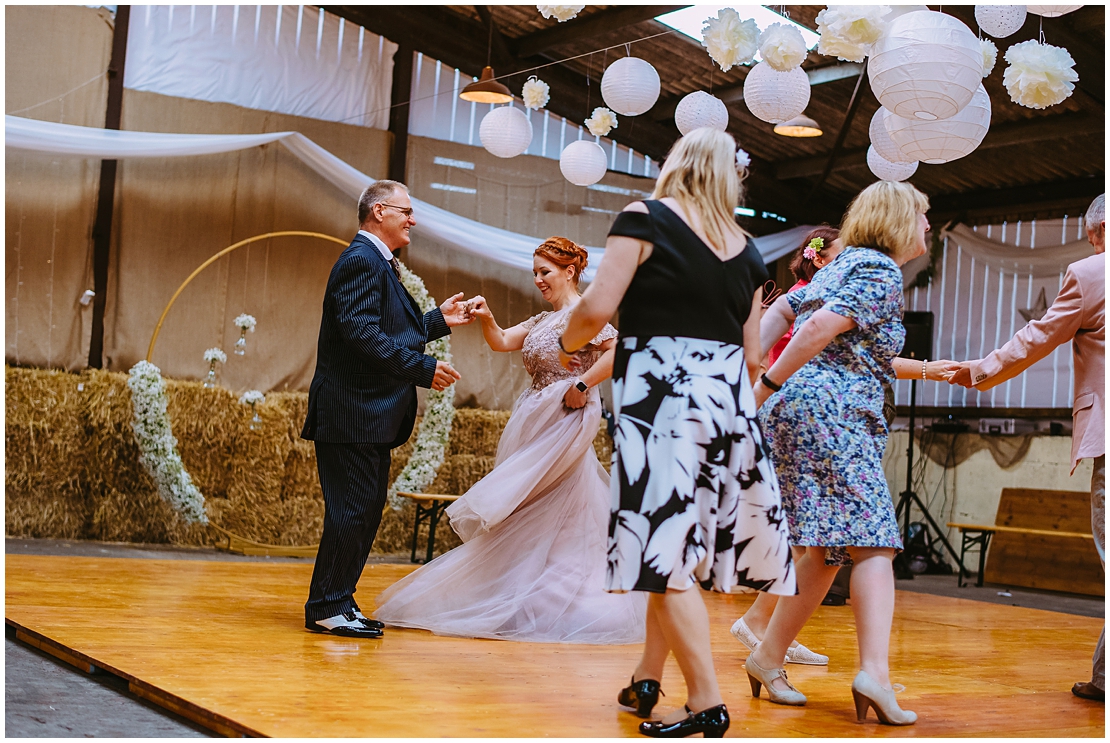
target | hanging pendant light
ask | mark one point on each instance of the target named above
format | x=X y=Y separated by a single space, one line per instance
x=486 y=90
x=799 y=126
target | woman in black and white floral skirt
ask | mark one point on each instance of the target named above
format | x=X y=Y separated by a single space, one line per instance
x=695 y=500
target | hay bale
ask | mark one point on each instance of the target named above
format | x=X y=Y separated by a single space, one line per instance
x=46 y=452
x=477 y=432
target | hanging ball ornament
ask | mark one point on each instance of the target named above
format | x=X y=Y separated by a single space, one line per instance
x=583 y=163
x=775 y=96
x=505 y=132
x=1000 y=21
x=881 y=141
x=946 y=140
x=700 y=109
x=885 y=170
x=927 y=67
x=630 y=86
x=1051 y=11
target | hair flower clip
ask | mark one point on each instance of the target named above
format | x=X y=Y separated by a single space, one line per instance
x=813 y=249
x=743 y=159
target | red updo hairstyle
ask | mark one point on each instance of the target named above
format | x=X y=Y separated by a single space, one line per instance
x=803 y=268
x=563 y=252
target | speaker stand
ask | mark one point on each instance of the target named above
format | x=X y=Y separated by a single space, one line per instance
x=909 y=497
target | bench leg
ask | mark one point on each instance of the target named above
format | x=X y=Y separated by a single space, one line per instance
x=963 y=552
x=421 y=512
x=437 y=509
x=986 y=540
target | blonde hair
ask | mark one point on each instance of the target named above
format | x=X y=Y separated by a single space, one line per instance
x=883 y=217
x=564 y=252
x=700 y=173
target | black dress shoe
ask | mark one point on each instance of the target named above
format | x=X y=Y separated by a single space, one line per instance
x=1087 y=690
x=357 y=629
x=372 y=623
x=711 y=723
x=643 y=695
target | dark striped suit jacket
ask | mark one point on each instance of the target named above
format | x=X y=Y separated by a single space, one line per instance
x=370 y=356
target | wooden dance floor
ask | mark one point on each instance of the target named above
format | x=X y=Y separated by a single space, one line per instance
x=223 y=643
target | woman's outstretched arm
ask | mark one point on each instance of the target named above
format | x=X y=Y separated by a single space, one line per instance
x=511 y=339
x=935 y=371
x=808 y=341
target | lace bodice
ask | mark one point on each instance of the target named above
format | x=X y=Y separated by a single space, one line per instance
x=541 y=348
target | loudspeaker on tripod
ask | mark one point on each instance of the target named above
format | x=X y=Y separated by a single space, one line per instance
x=919 y=335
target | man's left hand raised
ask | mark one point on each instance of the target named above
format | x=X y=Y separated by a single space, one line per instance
x=456 y=312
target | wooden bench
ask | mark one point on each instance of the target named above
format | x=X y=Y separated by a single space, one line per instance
x=429 y=507
x=1041 y=539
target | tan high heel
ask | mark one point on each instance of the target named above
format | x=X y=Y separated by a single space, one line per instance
x=867 y=692
x=762 y=677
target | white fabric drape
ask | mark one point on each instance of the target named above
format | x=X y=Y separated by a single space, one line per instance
x=1040 y=262
x=292 y=59
x=436 y=224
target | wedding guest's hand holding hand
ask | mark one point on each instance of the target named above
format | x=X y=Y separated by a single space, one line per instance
x=456 y=312
x=575 y=398
x=479 y=308
x=962 y=375
x=445 y=376
x=941 y=371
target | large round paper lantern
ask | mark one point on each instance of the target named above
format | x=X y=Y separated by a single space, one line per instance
x=630 y=86
x=943 y=141
x=776 y=96
x=1051 y=11
x=927 y=67
x=700 y=109
x=1000 y=21
x=886 y=170
x=881 y=140
x=583 y=163
x=505 y=131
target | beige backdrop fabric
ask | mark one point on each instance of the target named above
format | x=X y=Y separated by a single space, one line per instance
x=50 y=201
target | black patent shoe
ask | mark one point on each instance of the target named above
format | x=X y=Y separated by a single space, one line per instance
x=642 y=695
x=711 y=723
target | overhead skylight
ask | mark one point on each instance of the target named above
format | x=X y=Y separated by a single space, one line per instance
x=689 y=20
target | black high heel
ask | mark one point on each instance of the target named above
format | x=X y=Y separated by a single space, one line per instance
x=642 y=695
x=711 y=723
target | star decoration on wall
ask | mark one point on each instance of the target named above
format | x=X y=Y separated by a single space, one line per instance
x=1038 y=310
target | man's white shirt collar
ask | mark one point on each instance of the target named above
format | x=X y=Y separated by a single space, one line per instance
x=378 y=244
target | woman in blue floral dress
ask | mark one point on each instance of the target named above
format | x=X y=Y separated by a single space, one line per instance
x=824 y=424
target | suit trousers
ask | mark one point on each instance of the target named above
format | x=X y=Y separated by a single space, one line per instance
x=354 y=479
x=1098 y=528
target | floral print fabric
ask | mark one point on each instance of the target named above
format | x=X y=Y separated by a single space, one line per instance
x=825 y=428
x=695 y=497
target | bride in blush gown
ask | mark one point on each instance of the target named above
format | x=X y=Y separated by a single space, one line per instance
x=535 y=529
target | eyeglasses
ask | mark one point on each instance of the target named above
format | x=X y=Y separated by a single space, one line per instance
x=406 y=210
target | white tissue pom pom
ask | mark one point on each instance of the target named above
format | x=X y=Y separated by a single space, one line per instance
x=562 y=12
x=990 y=55
x=536 y=93
x=1039 y=75
x=602 y=122
x=781 y=45
x=848 y=31
x=729 y=40
x=743 y=159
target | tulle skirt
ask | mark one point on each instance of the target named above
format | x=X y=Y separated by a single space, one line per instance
x=535 y=531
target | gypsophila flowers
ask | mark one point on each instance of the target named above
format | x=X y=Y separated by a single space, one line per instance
x=252 y=397
x=215 y=354
x=245 y=322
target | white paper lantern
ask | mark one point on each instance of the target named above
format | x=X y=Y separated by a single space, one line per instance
x=1000 y=21
x=1051 y=11
x=583 y=163
x=943 y=141
x=505 y=132
x=630 y=86
x=700 y=109
x=886 y=170
x=881 y=140
x=927 y=67
x=776 y=96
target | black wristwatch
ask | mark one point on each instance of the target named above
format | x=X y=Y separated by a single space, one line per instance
x=581 y=386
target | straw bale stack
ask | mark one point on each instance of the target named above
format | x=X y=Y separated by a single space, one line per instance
x=73 y=468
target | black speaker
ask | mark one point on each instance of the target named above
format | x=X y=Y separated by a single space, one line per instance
x=919 y=335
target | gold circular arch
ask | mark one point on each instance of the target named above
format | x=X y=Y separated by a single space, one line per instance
x=221 y=254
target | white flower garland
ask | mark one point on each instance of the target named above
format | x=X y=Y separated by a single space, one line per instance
x=157 y=446
x=439 y=411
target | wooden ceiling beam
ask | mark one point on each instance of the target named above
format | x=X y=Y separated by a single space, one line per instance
x=1040 y=201
x=578 y=29
x=1007 y=135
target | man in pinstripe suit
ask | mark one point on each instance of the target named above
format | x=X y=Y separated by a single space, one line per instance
x=362 y=402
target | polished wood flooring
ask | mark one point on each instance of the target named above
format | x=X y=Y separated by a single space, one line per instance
x=224 y=643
